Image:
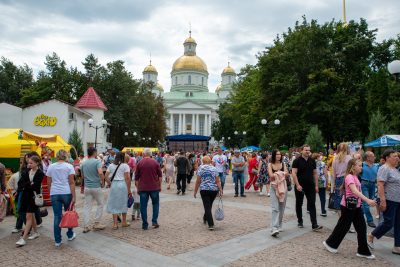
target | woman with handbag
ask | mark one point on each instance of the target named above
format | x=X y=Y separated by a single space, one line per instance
x=209 y=184
x=120 y=184
x=278 y=173
x=263 y=177
x=339 y=166
x=61 y=184
x=30 y=185
x=351 y=212
x=388 y=192
x=252 y=173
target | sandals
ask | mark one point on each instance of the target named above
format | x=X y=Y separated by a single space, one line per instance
x=126 y=224
x=115 y=227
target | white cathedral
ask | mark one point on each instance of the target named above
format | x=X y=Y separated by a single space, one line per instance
x=190 y=106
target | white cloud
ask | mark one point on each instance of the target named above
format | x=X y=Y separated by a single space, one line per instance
x=131 y=30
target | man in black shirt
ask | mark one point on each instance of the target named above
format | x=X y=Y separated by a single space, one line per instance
x=304 y=172
x=183 y=167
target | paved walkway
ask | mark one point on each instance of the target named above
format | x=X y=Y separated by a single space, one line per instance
x=242 y=238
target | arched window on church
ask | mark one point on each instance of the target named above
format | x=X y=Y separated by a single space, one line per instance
x=176 y=80
x=148 y=77
x=202 y=81
x=190 y=79
x=230 y=79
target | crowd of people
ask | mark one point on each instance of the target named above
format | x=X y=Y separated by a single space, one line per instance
x=354 y=181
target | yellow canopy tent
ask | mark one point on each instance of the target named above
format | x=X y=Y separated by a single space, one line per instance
x=15 y=143
x=138 y=149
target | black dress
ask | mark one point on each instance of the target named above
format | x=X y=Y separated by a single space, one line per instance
x=27 y=187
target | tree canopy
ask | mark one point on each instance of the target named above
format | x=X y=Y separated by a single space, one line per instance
x=131 y=105
x=330 y=75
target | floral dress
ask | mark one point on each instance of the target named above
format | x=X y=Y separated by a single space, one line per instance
x=322 y=182
x=263 y=177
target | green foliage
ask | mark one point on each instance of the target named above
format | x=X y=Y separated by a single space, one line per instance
x=264 y=145
x=75 y=140
x=131 y=105
x=314 y=139
x=13 y=80
x=377 y=126
x=329 y=75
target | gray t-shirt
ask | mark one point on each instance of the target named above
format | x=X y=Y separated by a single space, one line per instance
x=391 y=177
x=239 y=159
x=90 y=173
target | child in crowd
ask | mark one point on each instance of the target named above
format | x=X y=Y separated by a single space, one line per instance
x=136 y=204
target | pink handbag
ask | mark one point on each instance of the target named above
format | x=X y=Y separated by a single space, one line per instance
x=70 y=218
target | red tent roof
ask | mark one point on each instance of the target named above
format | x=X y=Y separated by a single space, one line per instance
x=90 y=99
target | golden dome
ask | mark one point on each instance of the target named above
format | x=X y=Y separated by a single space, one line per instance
x=189 y=63
x=228 y=70
x=159 y=87
x=150 y=68
x=219 y=87
x=190 y=40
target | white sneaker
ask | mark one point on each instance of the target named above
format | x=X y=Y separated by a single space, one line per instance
x=58 y=245
x=34 y=236
x=15 y=230
x=268 y=194
x=330 y=249
x=370 y=257
x=275 y=232
x=261 y=194
x=72 y=237
x=21 y=242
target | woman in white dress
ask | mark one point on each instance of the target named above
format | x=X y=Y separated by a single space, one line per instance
x=117 y=176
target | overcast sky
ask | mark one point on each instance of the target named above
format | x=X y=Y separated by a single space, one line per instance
x=130 y=30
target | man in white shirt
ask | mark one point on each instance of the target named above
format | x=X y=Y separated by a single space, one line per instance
x=220 y=161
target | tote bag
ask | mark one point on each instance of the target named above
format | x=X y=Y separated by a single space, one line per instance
x=69 y=218
x=219 y=212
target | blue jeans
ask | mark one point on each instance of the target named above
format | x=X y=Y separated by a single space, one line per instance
x=222 y=179
x=238 y=176
x=368 y=190
x=58 y=201
x=155 y=201
x=391 y=217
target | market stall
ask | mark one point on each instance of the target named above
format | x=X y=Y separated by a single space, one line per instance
x=138 y=149
x=15 y=143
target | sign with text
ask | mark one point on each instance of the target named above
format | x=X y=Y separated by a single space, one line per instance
x=45 y=121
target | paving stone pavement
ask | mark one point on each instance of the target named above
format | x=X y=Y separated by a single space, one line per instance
x=242 y=239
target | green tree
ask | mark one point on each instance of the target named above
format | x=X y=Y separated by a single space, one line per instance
x=314 y=139
x=264 y=145
x=76 y=140
x=13 y=80
x=329 y=75
x=377 y=126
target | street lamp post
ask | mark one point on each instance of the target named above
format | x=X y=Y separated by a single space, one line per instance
x=239 y=137
x=394 y=68
x=134 y=134
x=103 y=125
x=264 y=122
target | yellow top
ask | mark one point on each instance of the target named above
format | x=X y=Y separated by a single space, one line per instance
x=150 y=68
x=190 y=40
x=228 y=70
x=189 y=63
